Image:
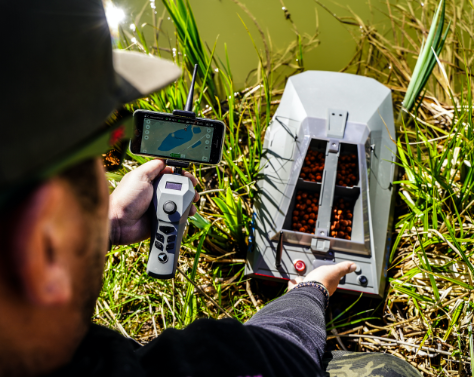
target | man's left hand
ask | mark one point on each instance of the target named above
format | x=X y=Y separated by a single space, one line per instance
x=329 y=276
x=129 y=203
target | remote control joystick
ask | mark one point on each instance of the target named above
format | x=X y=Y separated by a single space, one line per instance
x=169 y=207
x=174 y=194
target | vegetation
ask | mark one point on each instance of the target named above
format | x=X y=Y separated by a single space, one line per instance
x=429 y=302
x=210 y=281
x=428 y=313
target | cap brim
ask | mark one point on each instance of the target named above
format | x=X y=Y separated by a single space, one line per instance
x=145 y=73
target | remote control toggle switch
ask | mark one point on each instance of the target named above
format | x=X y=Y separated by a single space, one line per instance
x=166 y=229
x=169 y=207
x=363 y=280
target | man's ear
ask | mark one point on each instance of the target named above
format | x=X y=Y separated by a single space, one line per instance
x=39 y=243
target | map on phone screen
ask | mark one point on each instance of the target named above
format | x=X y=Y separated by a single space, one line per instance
x=177 y=140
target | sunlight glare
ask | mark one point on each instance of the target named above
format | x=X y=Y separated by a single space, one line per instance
x=115 y=15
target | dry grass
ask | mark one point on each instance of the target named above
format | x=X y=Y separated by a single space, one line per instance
x=430 y=301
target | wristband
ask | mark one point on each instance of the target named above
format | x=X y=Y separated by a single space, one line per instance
x=317 y=285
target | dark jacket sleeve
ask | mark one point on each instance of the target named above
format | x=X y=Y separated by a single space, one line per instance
x=284 y=339
x=224 y=348
x=297 y=317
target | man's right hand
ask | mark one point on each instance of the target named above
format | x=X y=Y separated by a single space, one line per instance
x=129 y=203
x=329 y=276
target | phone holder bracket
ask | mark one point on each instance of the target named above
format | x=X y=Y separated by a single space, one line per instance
x=178 y=166
x=184 y=113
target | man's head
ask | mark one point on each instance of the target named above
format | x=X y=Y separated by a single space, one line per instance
x=61 y=82
x=53 y=247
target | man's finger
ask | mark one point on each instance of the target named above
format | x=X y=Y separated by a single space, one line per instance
x=191 y=177
x=193 y=209
x=151 y=169
x=168 y=170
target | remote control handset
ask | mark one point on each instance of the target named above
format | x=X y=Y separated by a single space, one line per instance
x=172 y=202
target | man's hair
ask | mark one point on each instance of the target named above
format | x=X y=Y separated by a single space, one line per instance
x=83 y=181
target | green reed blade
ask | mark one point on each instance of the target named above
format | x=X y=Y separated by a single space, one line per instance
x=454 y=320
x=344 y=311
x=420 y=71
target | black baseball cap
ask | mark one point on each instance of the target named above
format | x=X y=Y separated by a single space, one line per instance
x=61 y=80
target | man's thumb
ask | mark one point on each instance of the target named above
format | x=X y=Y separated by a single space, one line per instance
x=345 y=268
x=151 y=169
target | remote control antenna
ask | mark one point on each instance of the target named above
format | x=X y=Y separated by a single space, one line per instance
x=188 y=108
x=189 y=102
x=279 y=251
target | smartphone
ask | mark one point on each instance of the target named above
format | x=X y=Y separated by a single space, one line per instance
x=173 y=137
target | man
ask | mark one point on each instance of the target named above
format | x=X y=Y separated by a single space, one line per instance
x=61 y=83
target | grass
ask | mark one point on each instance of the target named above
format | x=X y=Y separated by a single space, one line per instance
x=429 y=303
x=210 y=281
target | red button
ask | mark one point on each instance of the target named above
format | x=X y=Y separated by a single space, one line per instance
x=300 y=266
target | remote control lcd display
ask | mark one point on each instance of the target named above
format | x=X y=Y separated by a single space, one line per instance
x=173 y=185
x=177 y=139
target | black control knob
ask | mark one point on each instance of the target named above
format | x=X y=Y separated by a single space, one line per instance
x=163 y=258
x=363 y=280
x=169 y=207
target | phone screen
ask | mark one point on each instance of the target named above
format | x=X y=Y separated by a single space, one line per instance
x=180 y=140
x=169 y=136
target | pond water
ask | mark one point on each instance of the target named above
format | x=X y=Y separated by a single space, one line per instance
x=220 y=18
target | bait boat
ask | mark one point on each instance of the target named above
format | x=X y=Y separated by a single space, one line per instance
x=326 y=193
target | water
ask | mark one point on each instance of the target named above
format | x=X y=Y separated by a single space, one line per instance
x=221 y=18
